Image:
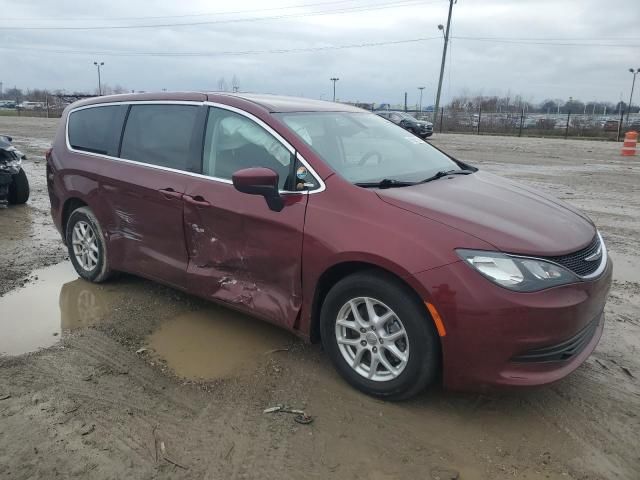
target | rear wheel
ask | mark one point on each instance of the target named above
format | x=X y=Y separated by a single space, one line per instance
x=19 y=189
x=87 y=246
x=379 y=336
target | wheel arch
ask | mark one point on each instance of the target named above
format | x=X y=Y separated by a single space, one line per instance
x=337 y=272
x=70 y=204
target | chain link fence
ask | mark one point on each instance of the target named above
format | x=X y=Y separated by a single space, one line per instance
x=51 y=107
x=521 y=124
x=567 y=125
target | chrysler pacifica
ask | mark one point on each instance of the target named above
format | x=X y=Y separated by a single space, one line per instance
x=410 y=266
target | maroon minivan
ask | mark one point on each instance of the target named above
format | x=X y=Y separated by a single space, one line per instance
x=337 y=225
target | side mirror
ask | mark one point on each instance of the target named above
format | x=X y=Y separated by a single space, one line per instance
x=259 y=181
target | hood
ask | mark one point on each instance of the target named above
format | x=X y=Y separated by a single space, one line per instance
x=511 y=217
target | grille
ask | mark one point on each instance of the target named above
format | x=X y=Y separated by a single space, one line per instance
x=561 y=351
x=576 y=261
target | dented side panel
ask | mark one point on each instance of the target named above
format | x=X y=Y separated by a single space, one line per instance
x=144 y=228
x=243 y=253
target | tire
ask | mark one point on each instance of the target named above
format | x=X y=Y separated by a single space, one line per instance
x=19 y=189
x=407 y=312
x=90 y=261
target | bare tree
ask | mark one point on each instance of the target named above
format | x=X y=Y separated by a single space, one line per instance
x=235 y=83
x=14 y=94
x=222 y=84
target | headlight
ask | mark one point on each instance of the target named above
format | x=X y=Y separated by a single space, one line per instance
x=517 y=273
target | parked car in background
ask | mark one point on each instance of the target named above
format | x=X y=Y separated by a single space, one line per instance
x=31 y=106
x=420 y=128
x=407 y=264
x=7 y=104
x=633 y=126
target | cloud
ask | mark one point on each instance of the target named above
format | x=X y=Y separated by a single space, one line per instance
x=380 y=73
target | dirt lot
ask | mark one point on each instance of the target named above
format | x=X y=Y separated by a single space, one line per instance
x=95 y=404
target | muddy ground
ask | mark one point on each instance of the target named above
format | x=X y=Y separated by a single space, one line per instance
x=140 y=381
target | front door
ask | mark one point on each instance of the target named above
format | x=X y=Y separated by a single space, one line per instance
x=240 y=251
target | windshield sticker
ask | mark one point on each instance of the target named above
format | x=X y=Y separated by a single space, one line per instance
x=302 y=173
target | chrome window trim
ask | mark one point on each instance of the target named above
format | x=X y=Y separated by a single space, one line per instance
x=599 y=271
x=321 y=188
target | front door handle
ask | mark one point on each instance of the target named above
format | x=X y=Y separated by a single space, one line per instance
x=170 y=193
x=198 y=201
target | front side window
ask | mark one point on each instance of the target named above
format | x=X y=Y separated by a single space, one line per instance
x=234 y=142
x=363 y=147
x=161 y=135
x=96 y=129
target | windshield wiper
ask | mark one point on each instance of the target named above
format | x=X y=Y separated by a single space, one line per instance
x=443 y=173
x=385 y=183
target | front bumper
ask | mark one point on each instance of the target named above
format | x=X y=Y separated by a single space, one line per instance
x=493 y=334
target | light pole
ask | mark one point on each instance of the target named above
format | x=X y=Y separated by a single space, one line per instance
x=444 y=59
x=420 y=108
x=633 y=84
x=334 y=80
x=99 y=80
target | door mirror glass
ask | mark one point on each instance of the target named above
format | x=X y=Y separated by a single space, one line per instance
x=259 y=181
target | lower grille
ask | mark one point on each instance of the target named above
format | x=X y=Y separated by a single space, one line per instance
x=561 y=351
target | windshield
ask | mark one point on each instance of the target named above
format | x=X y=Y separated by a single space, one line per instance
x=363 y=147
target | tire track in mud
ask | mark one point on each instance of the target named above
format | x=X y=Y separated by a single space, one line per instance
x=126 y=402
x=580 y=406
x=255 y=444
x=94 y=360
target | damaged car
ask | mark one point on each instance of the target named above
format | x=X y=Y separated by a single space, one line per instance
x=14 y=185
x=410 y=266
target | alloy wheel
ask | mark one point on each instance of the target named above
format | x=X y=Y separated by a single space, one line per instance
x=372 y=339
x=85 y=245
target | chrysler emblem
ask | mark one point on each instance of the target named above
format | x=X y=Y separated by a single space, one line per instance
x=594 y=256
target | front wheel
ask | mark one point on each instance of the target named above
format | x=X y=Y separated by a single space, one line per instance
x=19 y=188
x=379 y=336
x=87 y=246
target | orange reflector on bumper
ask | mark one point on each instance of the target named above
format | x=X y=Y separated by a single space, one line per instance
x=436 y=319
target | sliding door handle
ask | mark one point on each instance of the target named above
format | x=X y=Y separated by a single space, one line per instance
x=198 y=201
x=170 y=193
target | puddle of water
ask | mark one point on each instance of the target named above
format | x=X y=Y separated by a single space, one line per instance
x=215 y=342
x=207 y=344
x=35 y=316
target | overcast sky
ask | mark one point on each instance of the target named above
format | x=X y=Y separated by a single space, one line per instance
x=560 y=53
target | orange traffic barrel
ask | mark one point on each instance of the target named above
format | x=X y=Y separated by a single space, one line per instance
x=630 y=144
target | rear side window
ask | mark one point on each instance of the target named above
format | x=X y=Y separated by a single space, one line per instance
x=162 y=135
x=96 y=129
